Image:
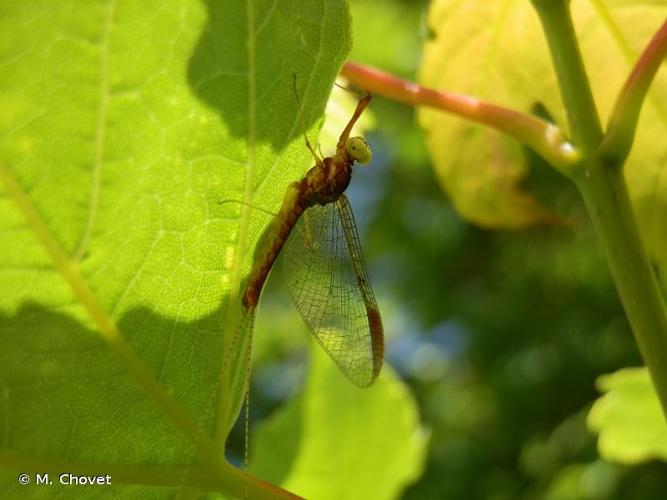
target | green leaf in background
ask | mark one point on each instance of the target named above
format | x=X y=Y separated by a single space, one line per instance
x=338 y=441
x=628 y=418
x=398 y=53
x=126 y=123
x=496 y=51
x=591 y=481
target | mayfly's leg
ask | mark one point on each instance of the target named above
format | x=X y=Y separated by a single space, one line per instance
x=308 y=230
x=243 y=203
x=361 y=106
x=318 y=159
x=305 y=230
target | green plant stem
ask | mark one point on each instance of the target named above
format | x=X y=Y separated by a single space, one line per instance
x=545 y=138
x=608 y=203
x=582 y=114
x=603 y=189
x=623 y=122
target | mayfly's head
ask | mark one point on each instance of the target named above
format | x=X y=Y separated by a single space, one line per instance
x=359 y=150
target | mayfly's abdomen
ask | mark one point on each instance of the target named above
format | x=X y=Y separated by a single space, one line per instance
x=278 y=231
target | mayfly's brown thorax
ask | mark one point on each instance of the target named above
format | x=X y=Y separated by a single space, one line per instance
x=325 y=183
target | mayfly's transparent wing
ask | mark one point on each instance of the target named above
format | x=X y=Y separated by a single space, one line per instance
x=327 y=280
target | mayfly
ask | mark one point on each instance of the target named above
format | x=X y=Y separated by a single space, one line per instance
x=326 y=273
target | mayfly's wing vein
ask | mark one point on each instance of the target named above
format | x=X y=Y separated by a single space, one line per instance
x=323 y=278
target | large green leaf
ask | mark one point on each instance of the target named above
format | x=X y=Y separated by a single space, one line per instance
x=125 y=123
x=497 y=51
x=628 y=418
x=338 y=441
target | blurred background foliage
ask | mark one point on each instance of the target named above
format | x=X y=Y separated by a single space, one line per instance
x=500 y=335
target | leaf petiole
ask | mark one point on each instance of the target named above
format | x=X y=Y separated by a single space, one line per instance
x=543 y=137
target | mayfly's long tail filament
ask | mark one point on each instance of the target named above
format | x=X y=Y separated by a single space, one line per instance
x=249 y=316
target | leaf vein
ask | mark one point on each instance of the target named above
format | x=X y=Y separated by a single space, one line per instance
x=268 y=17
x=100 y=134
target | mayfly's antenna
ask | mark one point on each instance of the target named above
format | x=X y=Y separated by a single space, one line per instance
x=366 y=94
x=348 y=89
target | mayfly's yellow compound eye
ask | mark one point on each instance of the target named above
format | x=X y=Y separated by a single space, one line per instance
x=358 y=148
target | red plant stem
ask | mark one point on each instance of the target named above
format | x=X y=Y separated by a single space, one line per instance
x=623 y=122
x=543 y=137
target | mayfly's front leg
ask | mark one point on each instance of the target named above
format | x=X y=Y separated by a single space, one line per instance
x=361 y=106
